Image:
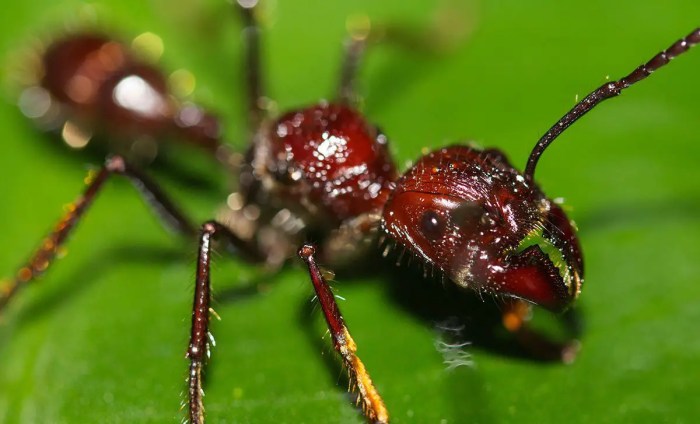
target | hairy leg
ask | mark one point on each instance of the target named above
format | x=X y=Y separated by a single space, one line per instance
x=367 y=395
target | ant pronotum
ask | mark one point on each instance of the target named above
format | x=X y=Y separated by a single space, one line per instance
x=431 y=223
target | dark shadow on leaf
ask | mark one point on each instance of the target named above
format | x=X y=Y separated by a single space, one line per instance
x=169 y=165
x=467 y=317
x=239 y=293
x=478 y=319
x=467 y=388
x=309 y=315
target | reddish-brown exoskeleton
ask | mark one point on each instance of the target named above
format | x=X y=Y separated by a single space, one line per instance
x=325 y=171
x=90 y=84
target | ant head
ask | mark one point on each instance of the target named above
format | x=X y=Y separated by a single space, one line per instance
x=470 y=214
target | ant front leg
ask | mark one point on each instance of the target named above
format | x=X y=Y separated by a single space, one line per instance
x=44 y=256
x=199 y=349
x=515 y=316
x=368 y=396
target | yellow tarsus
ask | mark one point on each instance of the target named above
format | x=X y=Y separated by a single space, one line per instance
x=372 y=403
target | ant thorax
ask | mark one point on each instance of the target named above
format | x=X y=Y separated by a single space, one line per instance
x=321 y=171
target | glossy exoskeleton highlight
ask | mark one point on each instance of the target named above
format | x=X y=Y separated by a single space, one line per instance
x=324 y=171
x=89 y=83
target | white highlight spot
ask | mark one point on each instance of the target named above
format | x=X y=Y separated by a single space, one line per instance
x=34 y=102
x=137 y=95
x=330 y=145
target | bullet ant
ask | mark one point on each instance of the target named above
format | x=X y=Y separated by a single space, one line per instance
x=324 y=170
x=92 y=86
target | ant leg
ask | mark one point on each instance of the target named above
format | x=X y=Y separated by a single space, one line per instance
x=198 y=349
x=353 y=238
x=203 y=130
x=354 y=50
x=169 y=214
x=368 y=396
x=515 y=317
x=447 y=28
x=46 y=253
x=254 y=84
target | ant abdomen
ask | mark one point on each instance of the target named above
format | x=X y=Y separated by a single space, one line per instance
x=93 y=85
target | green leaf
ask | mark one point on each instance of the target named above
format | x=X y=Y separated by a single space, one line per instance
x=102 y=336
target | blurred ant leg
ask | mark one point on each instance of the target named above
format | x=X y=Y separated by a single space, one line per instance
x=203 y=130
x=254 y=84
x=45 y=254
x=448 y=27
x=515 y=317
x=368 y=396
x=354 y=51
x=352 y=239
x=154 y=196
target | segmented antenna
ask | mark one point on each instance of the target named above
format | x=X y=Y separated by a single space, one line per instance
x=606 y=91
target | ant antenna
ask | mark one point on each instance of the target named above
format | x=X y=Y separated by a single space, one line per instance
x=606 y=91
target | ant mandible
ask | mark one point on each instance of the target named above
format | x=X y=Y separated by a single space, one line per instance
x=324 y=170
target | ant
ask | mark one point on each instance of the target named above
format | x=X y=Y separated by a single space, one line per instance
x=92 y=86
x=324 y=171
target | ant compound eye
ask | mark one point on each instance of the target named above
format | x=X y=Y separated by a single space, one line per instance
x=432 y=225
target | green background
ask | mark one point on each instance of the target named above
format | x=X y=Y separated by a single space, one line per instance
x=102 y=337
